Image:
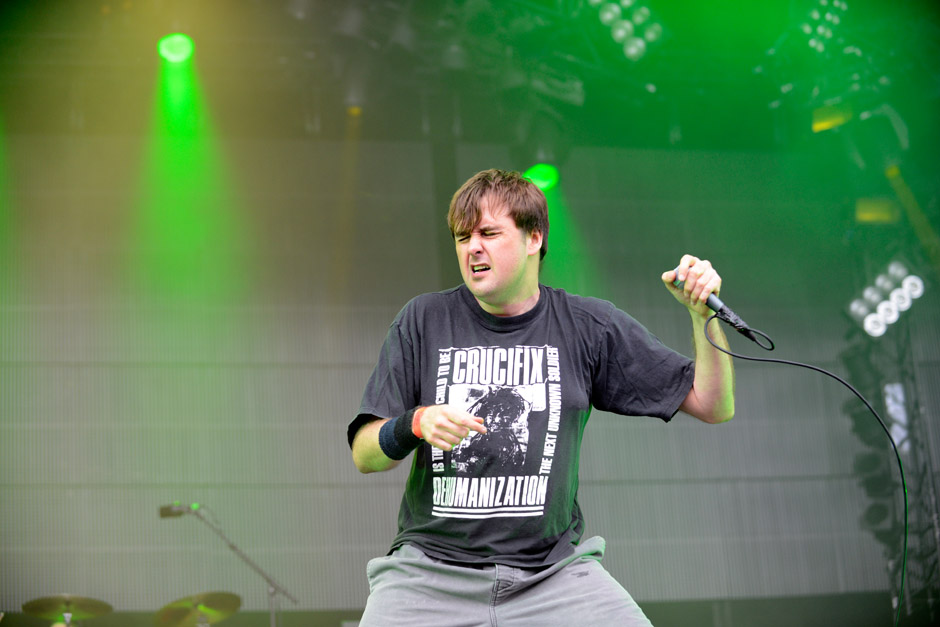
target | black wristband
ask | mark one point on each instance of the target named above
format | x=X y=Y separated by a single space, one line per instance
x=396 y=437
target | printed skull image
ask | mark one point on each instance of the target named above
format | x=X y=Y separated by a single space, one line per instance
x=505 y=414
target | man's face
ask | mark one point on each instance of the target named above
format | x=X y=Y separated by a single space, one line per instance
x=494 y=257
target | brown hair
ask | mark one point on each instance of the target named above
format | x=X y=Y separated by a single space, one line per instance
x=524 y=201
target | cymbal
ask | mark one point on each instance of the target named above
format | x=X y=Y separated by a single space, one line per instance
x=55 y=606
x=210 y=607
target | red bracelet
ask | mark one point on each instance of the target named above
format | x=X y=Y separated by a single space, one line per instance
x=416 y=422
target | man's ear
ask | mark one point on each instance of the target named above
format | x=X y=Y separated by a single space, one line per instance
x=534 y=242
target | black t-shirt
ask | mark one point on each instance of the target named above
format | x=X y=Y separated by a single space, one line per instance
x=510 y=496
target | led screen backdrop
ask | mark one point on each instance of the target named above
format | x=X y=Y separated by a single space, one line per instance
x=198 y=265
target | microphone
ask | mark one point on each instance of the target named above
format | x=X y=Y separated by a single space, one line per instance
x=723 y=312
x=175 y=510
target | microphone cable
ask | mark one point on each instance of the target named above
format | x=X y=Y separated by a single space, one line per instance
x=743 y=329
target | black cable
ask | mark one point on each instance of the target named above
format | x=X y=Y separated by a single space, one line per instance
x=750 y=333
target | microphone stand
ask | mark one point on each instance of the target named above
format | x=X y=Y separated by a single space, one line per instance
x=274 y=588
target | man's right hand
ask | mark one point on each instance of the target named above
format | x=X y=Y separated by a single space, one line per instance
x=443 y=426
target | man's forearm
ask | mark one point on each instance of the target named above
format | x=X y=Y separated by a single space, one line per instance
x=712 y=396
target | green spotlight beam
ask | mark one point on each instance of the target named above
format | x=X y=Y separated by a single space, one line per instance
x=188 y=225
x=187 y=282
x=569 y=263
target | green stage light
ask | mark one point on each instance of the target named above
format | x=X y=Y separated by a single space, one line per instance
x=610 y=13
x=634 y=48
x=543 y=175
x=621 y=30
x=176 y=48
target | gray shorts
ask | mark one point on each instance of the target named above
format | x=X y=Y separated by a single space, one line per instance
x=410 y=588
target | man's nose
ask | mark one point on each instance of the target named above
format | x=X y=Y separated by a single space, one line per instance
x=476 y=243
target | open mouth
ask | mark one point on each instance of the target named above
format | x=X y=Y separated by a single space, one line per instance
x=478 y=268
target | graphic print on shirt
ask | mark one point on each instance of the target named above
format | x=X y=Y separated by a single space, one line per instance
x=504 y=472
